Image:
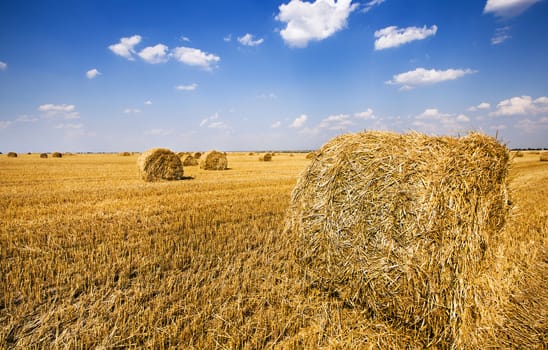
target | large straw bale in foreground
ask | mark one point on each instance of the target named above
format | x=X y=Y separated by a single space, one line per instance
x=160 y=164
x=403 y=225
x=214 y=160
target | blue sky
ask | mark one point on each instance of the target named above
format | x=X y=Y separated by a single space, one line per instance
x=251 y=75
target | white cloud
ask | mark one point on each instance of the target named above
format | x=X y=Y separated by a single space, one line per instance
x=421 y=76
x=5 y=123
x=92 y=73
x=69 y=126
x=367 y=115
x=299 y=122
x=508 y=8
x=393 y=36
x=336 y=122
x=159 y=132
x=432 y=120
x=125 y=47
x=65 y=111
x=372 y=4
x=3 y=65
x=483 y=105
x=213 y=122
x=501 y=35
x=248 y=40
x=26 y=119
x=132 y=110
x=190 y=87
x=532 y=126
x=313 y=21
x=154 y=54
x=185 y=38
x=521 y=105
x=195 y=57
x=276 y=125
x=148 y=102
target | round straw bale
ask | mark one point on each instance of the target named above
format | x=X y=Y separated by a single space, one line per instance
x=43 y=155
x=267 y=157
x=189 y=160
x=124 y=154
x=56 y=155
x=544 y=156
x=403 y=226
x=160 y=164
x=12 y=155
x=197 y=155
x=214 y=160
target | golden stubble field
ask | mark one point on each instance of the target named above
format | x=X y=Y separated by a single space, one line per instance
x=93 y=257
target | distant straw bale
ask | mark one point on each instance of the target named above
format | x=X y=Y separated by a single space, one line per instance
x=12 y=155
x=214 y=160
x=267 y=157
x=124 y=154
x=403 y=225
x=518 y=154
x=197 y=155
x=251 y=154
x=56 y=155
x=544 y=157
x=189 y=160
x=160 y=164
x=43 y=155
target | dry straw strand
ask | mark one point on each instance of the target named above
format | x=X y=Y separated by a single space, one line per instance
x=160 y=164
x=404 y=225
x=214 y=160
x=310 y=155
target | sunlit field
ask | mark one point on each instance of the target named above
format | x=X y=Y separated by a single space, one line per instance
x=91 y=256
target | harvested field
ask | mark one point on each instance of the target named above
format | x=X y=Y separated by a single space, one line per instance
x=93 y=257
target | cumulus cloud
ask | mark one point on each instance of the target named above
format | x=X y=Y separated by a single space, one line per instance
x=3 y=65
x=92 y=73
x=276 y=125
x=483 y=105
x=432 y=120
x=64 y=111
x=318 y=20
x=336 y=122
x=154 y=54
x=366 y=115
x=393 y=36
x=508 y=8
x=190 y=87
x=299 y=122
x=421 y=76
x=532 y=126
x=125 y=47
x=248 y=40
x=371 y=4
x=521 y=105
x=195 y=57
